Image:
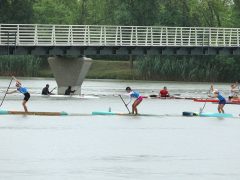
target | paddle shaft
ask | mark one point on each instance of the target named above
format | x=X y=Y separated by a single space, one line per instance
x=53 y=89
x=6 y=92
x=201 y=110
x=125 y=104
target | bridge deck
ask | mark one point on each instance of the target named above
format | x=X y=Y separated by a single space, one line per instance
x=100 y=39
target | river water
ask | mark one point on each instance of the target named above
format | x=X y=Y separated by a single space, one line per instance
x=168 y=146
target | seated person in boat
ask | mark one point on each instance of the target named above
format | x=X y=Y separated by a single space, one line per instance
x=164 y=92
x=45 y=90
x=69 y=91
x=234 y=91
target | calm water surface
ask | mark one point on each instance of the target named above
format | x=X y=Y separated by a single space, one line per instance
x=168 y=146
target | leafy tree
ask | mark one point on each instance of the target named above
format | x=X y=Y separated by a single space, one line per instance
x=236 y=13
x=215 y=12
x=56 y=11
x=16 y=11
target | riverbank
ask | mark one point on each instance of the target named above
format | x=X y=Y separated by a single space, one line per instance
x=102 y=69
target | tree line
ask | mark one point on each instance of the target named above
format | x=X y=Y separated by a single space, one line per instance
x=184 y=13
x=210 y=13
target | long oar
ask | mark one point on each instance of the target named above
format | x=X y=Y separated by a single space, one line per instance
x=125 y=104
x=6 y=92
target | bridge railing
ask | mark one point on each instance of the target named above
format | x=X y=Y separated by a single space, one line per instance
x=99 y=35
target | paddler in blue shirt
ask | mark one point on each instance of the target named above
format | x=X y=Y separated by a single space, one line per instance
x=134 y=94
x=222 y=100
x=22 y=90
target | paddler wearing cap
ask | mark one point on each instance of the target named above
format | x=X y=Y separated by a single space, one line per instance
x=22 y=90
x=222 y=100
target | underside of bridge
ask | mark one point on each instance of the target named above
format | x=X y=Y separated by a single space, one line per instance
x=128 y=50
x=69 y=71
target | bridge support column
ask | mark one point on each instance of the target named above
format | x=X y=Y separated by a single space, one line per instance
x=69 y=72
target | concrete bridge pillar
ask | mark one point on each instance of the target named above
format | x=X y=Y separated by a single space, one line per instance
x=69 y=72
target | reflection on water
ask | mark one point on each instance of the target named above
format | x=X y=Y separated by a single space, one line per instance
x=168 y=146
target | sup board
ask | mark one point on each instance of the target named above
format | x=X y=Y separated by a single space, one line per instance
x=120 y=113
x=4 y=112
x=224 y=115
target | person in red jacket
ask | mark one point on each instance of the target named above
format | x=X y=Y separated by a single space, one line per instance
x=164 y=92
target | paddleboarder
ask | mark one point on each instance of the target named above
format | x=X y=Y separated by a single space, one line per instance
x=134 y=94
x=222 y=100
x=22 y=90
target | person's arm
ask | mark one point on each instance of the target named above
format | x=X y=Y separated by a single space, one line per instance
x=11 y=92
x=130 y=98
x=210 y=93
x=17 y=81
x=235 y=88
x=211 y=88
x=168 y=93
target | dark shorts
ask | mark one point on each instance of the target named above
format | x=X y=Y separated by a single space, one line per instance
x=222 y=102
x=26 y=96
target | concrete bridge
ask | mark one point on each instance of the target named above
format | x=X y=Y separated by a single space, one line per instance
x=59 y=41
x=51 y=40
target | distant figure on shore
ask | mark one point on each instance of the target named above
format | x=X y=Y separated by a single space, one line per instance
x=69 y=91
x=45 y=90
x=164 y=92
x=234 y=91
x=22 y=90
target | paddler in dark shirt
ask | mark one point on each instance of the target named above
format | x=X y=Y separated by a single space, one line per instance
x=69 y=91
x=45 y=90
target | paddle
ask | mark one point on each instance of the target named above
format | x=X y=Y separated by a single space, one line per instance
x=53 y=89
x=124 y=103
x=6 y=92
x=201 y=109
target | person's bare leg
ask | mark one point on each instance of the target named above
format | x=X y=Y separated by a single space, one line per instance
x=221 y=106
x=136 y=103
x=24 y=106
x=136 y=111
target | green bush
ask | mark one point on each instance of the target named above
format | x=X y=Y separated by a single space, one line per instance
x=189 y=68
x=24 y=65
